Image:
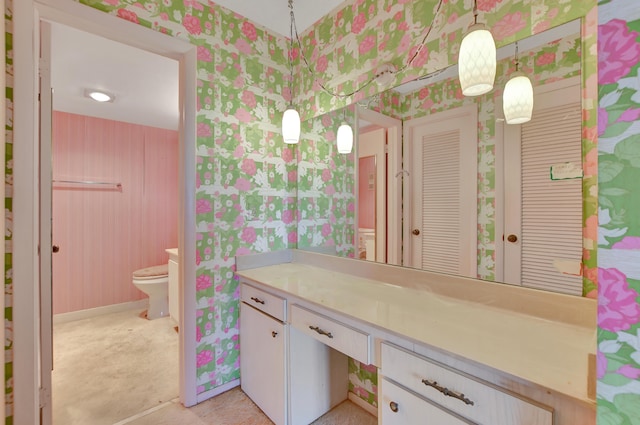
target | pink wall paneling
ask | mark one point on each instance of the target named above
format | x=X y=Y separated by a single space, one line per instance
x=105 y=232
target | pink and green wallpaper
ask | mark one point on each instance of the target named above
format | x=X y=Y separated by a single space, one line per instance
x=246 y=185
x=350 y=44
x=618 y=354
x=326 y=186
x=243 y=168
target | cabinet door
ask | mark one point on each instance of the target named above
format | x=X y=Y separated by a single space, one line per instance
x=401 y=407
x=262 y=371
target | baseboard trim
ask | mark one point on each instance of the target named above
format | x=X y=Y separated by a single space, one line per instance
x=217 y=391
x=363 y=404
x=98 y=311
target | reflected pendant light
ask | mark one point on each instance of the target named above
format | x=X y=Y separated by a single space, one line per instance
x=477 y=59
x=291 y=126
x=291 y=117
x=345 y=138
x=517 y=100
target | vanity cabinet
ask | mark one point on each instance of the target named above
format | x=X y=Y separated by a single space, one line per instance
x=291 y=376
x=262 y=353
x=465 y=396
x=442 y=360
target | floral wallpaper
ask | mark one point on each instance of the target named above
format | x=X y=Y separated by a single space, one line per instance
x=326 y=186
x=618 y=356
x=349 y=45
x=246 y=186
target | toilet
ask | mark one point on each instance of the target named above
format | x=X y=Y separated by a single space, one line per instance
x=154 y=282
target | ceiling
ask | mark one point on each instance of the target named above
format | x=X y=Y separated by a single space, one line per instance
x=274 y=14
x=145 y=85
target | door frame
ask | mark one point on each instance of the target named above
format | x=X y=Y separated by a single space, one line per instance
x=377 y=150
x=394 y=179
x=28 y=395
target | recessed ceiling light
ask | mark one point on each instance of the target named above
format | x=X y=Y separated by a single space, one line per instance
x=99 y=96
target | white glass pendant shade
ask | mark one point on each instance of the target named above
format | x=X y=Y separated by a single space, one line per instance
x=517 y=100
x=477 y=61
x=345 y=138
x=291 y=126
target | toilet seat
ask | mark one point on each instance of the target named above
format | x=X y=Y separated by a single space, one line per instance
x=153 y=272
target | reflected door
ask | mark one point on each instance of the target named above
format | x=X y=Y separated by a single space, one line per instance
x=543 y=193
x=372 y=194
x=442 y=166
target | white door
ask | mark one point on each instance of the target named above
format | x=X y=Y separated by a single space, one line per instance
x=441 y=158
x=46 y=335
x=371 y=144
x=543 y=193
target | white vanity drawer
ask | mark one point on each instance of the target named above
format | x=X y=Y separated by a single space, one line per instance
x=480 y=402
x=401 y=407
x=343 y=338
x=270 y=304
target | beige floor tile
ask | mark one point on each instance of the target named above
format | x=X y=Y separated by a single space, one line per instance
x=123 y=369
x=110 y=367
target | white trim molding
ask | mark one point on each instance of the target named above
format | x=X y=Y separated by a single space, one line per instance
x=26 y=344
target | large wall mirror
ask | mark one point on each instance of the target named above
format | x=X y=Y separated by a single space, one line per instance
x=439 y=181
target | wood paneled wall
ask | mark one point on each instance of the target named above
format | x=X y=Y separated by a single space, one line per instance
x=105 y=233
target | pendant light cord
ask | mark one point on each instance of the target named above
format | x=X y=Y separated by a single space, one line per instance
x=516 y=58
x=475 y=12
x=291 y=27
x=294 y=29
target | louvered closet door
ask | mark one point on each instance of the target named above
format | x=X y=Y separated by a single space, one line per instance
x=443 y=192
x=550 y=235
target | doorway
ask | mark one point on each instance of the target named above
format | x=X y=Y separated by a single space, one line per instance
x=33 y=327
x=387 y=242
x=114 y=210
x=372 y=194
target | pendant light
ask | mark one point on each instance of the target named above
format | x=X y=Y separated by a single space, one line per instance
x=477 y=59
x=291 y=117
x=344 y=138
x=517 y=100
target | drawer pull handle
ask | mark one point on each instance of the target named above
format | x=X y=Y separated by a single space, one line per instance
x=258 y=300
x=393 y=406
x=446 y=391
x=321 y=331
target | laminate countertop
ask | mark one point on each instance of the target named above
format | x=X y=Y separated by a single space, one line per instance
x=550 y=353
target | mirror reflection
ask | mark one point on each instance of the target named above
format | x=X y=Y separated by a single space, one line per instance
x=437 y=180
